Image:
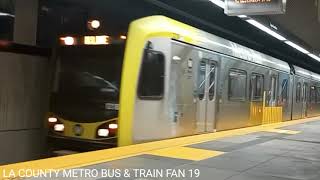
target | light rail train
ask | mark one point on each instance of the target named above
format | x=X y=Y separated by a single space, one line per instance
x=167 y=80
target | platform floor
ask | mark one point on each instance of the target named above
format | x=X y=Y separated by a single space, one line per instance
x=282 y=155
x=279 y=155
x=285 y=153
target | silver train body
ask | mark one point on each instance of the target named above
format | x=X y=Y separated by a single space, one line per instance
x=210 y=87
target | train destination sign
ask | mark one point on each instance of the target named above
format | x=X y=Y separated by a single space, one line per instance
x=254 y=7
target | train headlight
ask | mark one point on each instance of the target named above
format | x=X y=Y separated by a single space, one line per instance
x=69 y=41
x=58 y=127
x=113 y=126
x=103 y=132
x=108 y=129
x=52 y=120
x=93 y=24
x=54 y=124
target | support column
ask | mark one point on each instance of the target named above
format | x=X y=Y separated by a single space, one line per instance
x=26 y=20
x=318 y=10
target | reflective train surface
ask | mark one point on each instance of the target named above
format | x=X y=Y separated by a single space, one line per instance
x=168 y=80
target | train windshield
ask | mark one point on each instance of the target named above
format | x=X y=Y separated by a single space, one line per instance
x=88 y=83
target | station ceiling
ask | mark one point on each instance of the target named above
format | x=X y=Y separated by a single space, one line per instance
x=300 y=22
x=302 y=19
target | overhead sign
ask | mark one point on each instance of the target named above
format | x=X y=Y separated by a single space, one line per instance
x=254 y=7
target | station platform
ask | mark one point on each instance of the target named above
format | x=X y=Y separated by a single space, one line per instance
x=282 y=151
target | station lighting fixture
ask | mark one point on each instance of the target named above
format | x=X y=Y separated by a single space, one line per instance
x=218 y=3
x=297 y=47
x=314 y=57
x=123 y=37
x=6 y=14
x=255 y=23
x=243 y=16
x=265 y=29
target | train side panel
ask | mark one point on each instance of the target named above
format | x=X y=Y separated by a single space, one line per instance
x=209 y=84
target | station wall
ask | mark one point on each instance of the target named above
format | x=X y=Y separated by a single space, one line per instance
x=24 y=94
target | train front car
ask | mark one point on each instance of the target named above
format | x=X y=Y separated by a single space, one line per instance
x=176 y=81
x=85 y=97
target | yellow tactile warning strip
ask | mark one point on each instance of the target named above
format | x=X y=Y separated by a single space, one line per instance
x=96 y=157
x=283 y=131
x=185 y=153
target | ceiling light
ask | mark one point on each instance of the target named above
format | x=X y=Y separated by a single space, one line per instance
x=314 y=57
x=6 y=14
x=265 y=29
x=299 y=48
x=242 y=16
x=218 y=3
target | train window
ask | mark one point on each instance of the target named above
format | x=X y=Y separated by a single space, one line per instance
x=151 y=83
x=201 y=79
x=284 y=90
x=298 y=92
x=273 y=88
x=212 y=81
x=313 y=94
x=237 y=85
x=256 y=86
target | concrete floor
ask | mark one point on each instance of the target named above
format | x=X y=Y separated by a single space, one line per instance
x=255 y=156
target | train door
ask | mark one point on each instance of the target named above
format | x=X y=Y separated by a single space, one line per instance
x=182 y=96
x=206 y=87
x=304 y=99
x=297 y=98
x=291 y=98
x=312 y=100
x=284 y=89
x=192 y=90
x=273 y=90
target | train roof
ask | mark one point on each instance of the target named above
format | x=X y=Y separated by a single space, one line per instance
x=185 y=33
x=230 y=48
x=306 y=73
